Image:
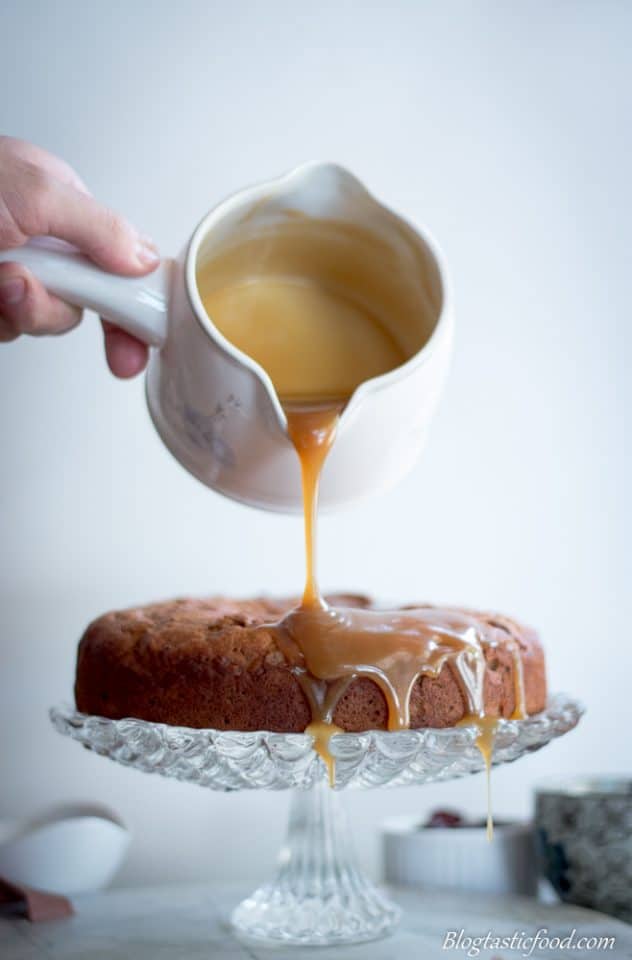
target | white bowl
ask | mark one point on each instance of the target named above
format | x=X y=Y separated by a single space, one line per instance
x=460 y=858
x=69 y=850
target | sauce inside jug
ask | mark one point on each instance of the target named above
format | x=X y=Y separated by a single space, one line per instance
x=316 y=345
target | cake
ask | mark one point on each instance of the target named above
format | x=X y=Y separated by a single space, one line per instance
x=216 y=663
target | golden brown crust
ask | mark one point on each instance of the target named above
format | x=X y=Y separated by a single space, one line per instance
x=200 y=663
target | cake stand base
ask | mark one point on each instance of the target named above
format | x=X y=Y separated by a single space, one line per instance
x=318 y=896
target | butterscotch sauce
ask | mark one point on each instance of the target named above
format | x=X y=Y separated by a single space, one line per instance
x=318 y=346
x=329 y=647
x=392 y=648
x=313 y=342
x=322 y=732
x=312 y=430
x=487 y=727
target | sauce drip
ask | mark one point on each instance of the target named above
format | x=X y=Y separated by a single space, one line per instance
x=486 y=727
x=329 y=647
x=318 y=346
x=322 y=732
x=392 y=648
x=312 y=430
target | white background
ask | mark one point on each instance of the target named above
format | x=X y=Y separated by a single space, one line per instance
x=503 y=127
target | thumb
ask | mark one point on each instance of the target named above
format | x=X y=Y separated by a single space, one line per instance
x=53 y=208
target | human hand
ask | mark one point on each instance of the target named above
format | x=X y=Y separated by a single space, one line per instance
x=40 y=195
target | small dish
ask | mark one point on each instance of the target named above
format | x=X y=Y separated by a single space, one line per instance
x=68 y=850
x=460 y=857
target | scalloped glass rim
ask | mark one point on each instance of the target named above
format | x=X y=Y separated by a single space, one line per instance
x=233 y=760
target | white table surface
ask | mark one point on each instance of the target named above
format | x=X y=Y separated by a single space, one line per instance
x=190 y=923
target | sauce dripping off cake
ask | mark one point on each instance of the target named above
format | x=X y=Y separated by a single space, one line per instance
x=285 y=323
x=331 y=646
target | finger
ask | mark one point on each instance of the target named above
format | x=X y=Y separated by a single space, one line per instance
x=7 y=331
x=27 y=307
x=126 y=356
x=46 y=206
x=39 y=157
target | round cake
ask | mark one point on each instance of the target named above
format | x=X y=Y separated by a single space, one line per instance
x=214 y=663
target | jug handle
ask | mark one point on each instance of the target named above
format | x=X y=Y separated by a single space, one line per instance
x=138 y=305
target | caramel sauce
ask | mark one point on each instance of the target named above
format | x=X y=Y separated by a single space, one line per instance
x=318 y=345
x=329 y=647
x=322 y=732
x=392 y=648
x=312 y=430
x=313 y=342
x=486 y=727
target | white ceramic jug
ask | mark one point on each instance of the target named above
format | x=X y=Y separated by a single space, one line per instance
x=214 y=407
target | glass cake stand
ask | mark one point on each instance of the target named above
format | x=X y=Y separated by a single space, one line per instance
x=318 y=895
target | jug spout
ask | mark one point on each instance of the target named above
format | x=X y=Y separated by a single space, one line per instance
x=321 y=189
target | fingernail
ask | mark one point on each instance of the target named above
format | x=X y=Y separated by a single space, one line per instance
x=147 y=252
x=12 y=291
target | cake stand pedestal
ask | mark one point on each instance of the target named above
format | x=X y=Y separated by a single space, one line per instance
x=318 y=896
